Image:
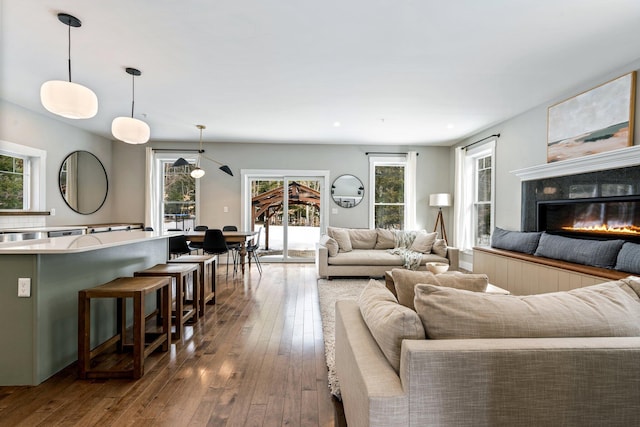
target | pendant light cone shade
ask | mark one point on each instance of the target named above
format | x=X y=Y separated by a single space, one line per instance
x=68 y=99
x=129 y=129
x=180 y=162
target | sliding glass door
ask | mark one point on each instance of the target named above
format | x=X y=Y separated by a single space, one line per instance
x=289 y=210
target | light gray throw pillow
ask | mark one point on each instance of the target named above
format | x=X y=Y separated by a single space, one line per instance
x=388 y=321
x=606 y=310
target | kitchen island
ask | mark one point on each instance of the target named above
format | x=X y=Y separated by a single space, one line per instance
x=39 y=332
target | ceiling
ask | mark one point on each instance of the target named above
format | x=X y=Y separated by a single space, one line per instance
x=389 y=71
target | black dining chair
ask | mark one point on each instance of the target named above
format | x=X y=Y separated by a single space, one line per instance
x=234 y=248
x=253 y=248
x=198 y=245
x=215 y=244
x=178 y=246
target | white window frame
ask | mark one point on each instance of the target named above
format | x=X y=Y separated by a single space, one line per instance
x=466 y=189
x=34 y=173
x=409 y=202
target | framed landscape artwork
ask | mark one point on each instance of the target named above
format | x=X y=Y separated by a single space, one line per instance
x=595 y=121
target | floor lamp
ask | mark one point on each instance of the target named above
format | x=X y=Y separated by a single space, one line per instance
x=440 y=200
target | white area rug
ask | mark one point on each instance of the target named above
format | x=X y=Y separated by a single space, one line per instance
x=330 y=291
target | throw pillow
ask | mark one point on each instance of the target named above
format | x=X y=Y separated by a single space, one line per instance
x=604 y=310
x=439 y=248
x=406 y=280
x=363 y=238
x=388 y=321
x=386 y=239
x=330 y=244
x=423 y=242
x=629 y=258
x=598 y=253
x=519 y=241
x=341 y=235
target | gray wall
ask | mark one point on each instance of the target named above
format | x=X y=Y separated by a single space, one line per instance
x=523 y=143
x=219 y=190
x=24 y=127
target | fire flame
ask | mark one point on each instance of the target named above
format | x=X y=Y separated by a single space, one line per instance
x=627 y=229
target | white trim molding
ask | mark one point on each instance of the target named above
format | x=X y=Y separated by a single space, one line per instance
x=624 y=157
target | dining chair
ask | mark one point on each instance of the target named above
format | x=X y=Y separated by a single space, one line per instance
x=178 y=246
x=198 y=245
x=214 y=243
x=234 y=248
x=253 y=248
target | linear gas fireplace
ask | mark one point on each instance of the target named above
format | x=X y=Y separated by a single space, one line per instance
x=600 y=218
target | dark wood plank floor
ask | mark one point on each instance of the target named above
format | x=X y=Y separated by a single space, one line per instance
x=255 y=359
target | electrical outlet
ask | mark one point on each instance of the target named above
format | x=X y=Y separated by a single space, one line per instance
x=226 y=209
x=24 y=287
x=52 y=211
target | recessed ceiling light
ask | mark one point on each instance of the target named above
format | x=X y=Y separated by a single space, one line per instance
x=336 y=124
x=450 y=126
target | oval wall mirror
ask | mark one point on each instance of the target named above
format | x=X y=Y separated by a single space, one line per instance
x=83 y=182
x=347 y=191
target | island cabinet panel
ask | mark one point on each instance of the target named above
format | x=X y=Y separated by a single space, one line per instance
x=40 y=332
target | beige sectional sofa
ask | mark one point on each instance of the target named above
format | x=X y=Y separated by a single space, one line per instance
x=367 y=252
x=574 y=362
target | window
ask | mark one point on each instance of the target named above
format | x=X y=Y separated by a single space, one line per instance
x=483 y=200
x=179 y=199
x=392 y=192
x=22 y=172
x=14 y=183
x=474 y=208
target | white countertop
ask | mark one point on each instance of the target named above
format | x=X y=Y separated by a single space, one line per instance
x=42 y=229
x=81 y=243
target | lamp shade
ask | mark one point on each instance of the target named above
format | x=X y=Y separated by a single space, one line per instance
x=68 y=99
x=197 y=173
x=440 y=199
x=130 y=130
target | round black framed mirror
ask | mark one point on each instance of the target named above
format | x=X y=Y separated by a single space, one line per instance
x=83 y=182
x=347 y=191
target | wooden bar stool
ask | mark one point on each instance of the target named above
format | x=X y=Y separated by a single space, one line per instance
x=184 y=309
x=207 y=276
x=144 y=343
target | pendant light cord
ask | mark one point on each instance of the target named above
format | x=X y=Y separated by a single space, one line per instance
x=69 y=52
x=133 y=92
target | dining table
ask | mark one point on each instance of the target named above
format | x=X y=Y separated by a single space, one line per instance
x=241 y=237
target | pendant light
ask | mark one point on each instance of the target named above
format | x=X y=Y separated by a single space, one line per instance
x=128 y=129
x=197 y=172
x=68 y=99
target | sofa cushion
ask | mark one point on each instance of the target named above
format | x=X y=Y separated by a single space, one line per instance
x=330 y=243
x=604 y=310
x=439 y=247
x=629 y=258
x=363 y=257
x=598 y=253
x=386 y=239
x=406 y=280
x=519 y=241
x=388 y=321
x=423 y=242
x=341 y=235
x=362 y=238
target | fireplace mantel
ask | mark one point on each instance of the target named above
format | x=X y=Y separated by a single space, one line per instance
x=624 y=157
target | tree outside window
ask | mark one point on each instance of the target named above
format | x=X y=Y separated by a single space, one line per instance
x=179 y=199
x=389 y=198
x=483 y=201
x=12 y=183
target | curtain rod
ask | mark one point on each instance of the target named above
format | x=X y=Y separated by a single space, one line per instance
x=385 y=152
x=176 y=150
x=497 y=135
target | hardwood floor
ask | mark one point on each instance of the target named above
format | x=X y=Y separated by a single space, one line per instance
x=256 y=359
